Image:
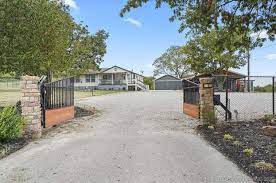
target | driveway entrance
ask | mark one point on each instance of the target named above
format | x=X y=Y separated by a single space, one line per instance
x=140 y=137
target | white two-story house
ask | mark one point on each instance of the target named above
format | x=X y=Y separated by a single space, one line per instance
x=113 y=78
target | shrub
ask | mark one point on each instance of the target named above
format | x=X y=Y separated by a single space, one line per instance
x=268 y=117
x=210 y=127
x=237 y=143
x=228 y=137
x=264 y=166
x=11 y=124
x=209 y=117
x=248 y=151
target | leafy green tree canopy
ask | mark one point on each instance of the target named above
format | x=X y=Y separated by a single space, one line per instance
x=236 y=16
x=40 y=37
x=149 y=81
x=205 y=56
x=172 y=62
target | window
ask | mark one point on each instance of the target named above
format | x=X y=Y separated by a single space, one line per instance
x=77 y=79
x=87 y=78
x=107 y=77
x=90 y=78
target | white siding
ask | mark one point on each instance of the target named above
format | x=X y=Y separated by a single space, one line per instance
x=84 y=83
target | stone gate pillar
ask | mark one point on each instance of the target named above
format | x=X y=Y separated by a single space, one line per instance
x=206 y=103
x=31 y=108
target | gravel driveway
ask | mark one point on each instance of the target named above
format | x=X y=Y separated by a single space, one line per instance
x=141 y=137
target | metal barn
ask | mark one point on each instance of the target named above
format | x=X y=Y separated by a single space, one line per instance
x=168 y=82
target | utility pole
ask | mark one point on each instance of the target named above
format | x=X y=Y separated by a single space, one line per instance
x=248 y=70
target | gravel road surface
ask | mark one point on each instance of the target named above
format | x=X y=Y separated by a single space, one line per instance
x=140 y=137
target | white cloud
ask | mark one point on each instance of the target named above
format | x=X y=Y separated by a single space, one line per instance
x=133 y=22
x=71 y=4
x=260 y=34
x=271 y=56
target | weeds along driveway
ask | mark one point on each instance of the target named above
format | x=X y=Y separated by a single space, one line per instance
x=140 y=137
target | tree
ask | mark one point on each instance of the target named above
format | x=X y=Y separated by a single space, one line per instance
x=86 y=51
x=40 y=37
x=235 y=16
x=34 y=36
x=149 y=81
x=205 y=56
x=172 y=62
x=266 y=88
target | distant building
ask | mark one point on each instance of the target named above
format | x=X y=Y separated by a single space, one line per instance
x=168 y=82
x=236 y=82
x=113 y=78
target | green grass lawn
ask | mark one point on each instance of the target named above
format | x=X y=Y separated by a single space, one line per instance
x=9 y=96
x=85 y=94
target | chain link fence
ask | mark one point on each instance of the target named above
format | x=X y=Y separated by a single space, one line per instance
x=245 y=98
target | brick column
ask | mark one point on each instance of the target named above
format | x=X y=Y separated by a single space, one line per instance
x=206 y=91
x=31 y=109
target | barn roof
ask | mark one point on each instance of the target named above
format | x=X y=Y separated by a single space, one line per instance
x=218 y=73
x=167 y=76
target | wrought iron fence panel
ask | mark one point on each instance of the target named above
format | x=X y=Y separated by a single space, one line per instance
x=190 y=92
x=59 y=94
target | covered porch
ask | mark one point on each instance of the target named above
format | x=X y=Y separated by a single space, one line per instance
x=113 y=79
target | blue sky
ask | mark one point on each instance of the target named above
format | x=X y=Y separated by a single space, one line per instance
x=144 y=34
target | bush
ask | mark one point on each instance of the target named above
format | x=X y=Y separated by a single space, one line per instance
x=248 y=151
x=11 y=124
x=210 y=127
x=237 y=143
x=228 y=137
x=209 y=117
x=268 y=117
x=264 y=166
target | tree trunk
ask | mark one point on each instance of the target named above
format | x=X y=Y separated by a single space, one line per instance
x=49 y=76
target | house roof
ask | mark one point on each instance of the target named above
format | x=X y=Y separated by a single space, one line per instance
x=167 y=75
x=101 y=70
x=106 y=69
x=219 y=73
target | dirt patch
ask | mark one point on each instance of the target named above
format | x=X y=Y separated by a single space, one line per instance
x=246 y=145
x=6 y=148
x=84 y=111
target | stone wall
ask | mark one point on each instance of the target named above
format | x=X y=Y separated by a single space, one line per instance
x=30 y=102
x=206 y=103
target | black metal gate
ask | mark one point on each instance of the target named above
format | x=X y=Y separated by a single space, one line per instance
x=56 y=95
x=190 y=92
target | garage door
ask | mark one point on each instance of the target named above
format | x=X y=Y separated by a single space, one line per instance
x=168 y=85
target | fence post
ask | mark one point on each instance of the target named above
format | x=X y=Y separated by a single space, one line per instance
x=273 y=96
x=31 y=108
x=226 y=98
x=206 y=103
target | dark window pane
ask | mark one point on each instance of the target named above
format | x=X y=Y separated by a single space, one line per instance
x=77 y=79
x=87 y=78
x=92 y=78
